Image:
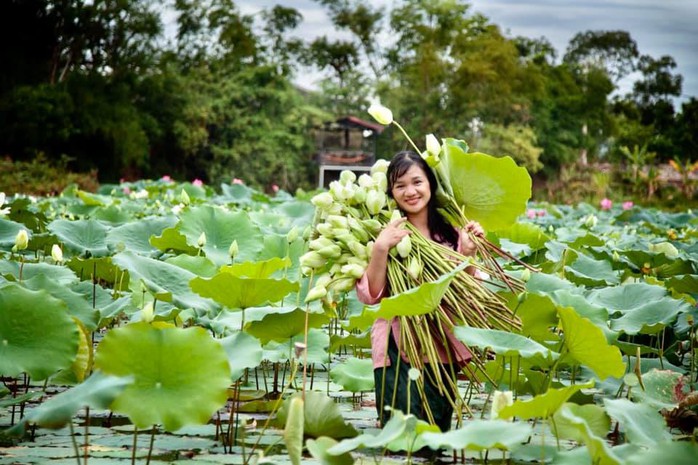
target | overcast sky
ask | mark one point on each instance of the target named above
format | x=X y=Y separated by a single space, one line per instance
x=660 y=27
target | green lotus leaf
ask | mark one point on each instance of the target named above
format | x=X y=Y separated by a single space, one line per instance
x=661 y=388
x=293 y=430
x=60 y=274
x=94 y=200
x=243 y=351
x=315 y=352
x=493 y=191
x=525 y=233
x=626 y=297
x=135 y=236
x=594 y=416
x=322 y=416
x=172 y=240
x=544 y=284
x=200 y=266
x=234 y=292
x=114 y=215
x=674 y=453
x=277 y=246
x=77 y=304
x=356 y=341
x=419 y=300
x=650 y=318
x=221 y=228
x=543 y=405
x=587 y=344
x=642 y=424
x=237 y=193
x=589 y=272
x=481 y=435
x=102 y=269
x=97 y=392
x=354 y=375
x=598 y=449
x=258 y=269
x=86 y=237
x=37 y=334
x=81 y=366
x=686 y=283
x=393 y=430
x=8 y=233
x=503 y=343
x=318 y=449
x=161 y=279
x=180 y=375
x=538 y=314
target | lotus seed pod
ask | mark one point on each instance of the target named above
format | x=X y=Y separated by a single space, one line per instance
x=353 y=270
x=201 y=241
x=404 y=246
x=56 y=253
x=323 y=200
x=21 y=240
x=381 y=114
x=347 y=176
x=316 y=293
x=366 y=181
x=312 y=259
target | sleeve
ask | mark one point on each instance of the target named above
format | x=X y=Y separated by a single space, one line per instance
x=364 y=293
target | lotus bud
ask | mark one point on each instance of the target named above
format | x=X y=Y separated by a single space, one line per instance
x=358 y=229
x=325 y=229
x=375 y=201
x=306 y=270
x=56 y=253
x=335 y=209
x=369 y=249
x=414 y=268
x=307 y=231
x=380 y=166
x=372 y=225
x=21 y=240
x=343 y=235
x=233 y=249
x=433 y=146
x=499 y=401
x=366 y=181
x=184 y=197
x=590 y=220
x=353 y=270
x=323 y=280
x=319 y=243
x=347 y=176
x=338 y=221
x=360 y=195
x=332 y=251
x=148 y=312
x=381 y=114
x=357 y=249
x=312 y=259
x=335 y=269
x=352 y=260
x=323 y=200
x=343 y=284
x=292 y=235
x=616 y=256
x=404 y=246
x=381 y=181
x=396 y=215
x=525 y=275
x=316 y=293
x=202 y=240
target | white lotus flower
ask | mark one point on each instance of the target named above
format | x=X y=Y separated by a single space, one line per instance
x=202 y=240
x=375 y=201
x=500 y=399
x=56 y=253
x=21 y=240
x=233 y=249
x=433 y=146
x=381 y=114
x=6 y=210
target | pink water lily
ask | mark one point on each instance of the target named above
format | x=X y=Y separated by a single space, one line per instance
x=606 y=204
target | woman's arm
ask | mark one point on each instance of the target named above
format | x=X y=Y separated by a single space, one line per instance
x=376 y=271
x=466 y=246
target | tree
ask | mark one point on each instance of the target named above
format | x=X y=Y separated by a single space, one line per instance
x=615 y=52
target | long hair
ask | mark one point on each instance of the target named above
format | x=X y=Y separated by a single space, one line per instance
x=438 y=227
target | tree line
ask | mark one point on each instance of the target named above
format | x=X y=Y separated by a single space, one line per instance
x=99 y=85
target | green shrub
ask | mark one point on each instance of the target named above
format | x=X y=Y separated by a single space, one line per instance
x=42 y=177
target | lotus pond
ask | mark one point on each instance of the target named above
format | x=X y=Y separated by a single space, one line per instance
x=169 y=325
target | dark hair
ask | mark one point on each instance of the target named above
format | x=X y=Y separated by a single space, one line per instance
x=438 y=227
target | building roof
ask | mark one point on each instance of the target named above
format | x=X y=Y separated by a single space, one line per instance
x=353 y=121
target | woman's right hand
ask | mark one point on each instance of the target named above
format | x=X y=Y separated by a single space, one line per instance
x=391 y=235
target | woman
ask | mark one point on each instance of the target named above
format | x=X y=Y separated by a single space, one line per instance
x=412 y=184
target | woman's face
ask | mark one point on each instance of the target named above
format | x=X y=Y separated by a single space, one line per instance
x=411 y=191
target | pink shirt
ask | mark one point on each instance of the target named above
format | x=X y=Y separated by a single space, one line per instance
x=381 y=328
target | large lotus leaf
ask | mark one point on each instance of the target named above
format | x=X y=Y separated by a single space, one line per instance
x=277 y=246
x=200 y=266
x=683 y=283
x=97 y=392
x=322 y=416
x=59 y=273
x=37 y=335
x=243 y=351
x=589 y=272
x=355 y=341
x=114 y=215
x=651 y=317
x=538 y=314
x=393 y=430
x=135 y=236
x=663 y=266
x=587 y=344
x=78 y=304
x=525 y=233
x=181 y=376
x=257 y=269
x=674 y=453
x=642 y=423
x=599 y=450
x=503 y=343
x=315 y=352
x=293 y=430
x=626 y=297
x=172 y=239
x=300 y=213
x=419 y=300
x=481 y=435
x=318 y=449
x=493 y=191
x=237 y=193
x=8 y=233
x=162 y=278
x=222 y=228
x=595 y=314
x=662 y=388
x=82 y=365
x=86 y=237
x=543 y=405
x=544 y=284
x=354 y=375
x=99 y=269
x=594 y=416
x=234 y=292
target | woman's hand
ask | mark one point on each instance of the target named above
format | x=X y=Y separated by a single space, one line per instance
x=391 y=235
x=467 y=246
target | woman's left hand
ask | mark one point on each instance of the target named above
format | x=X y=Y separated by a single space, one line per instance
x=467 y=246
